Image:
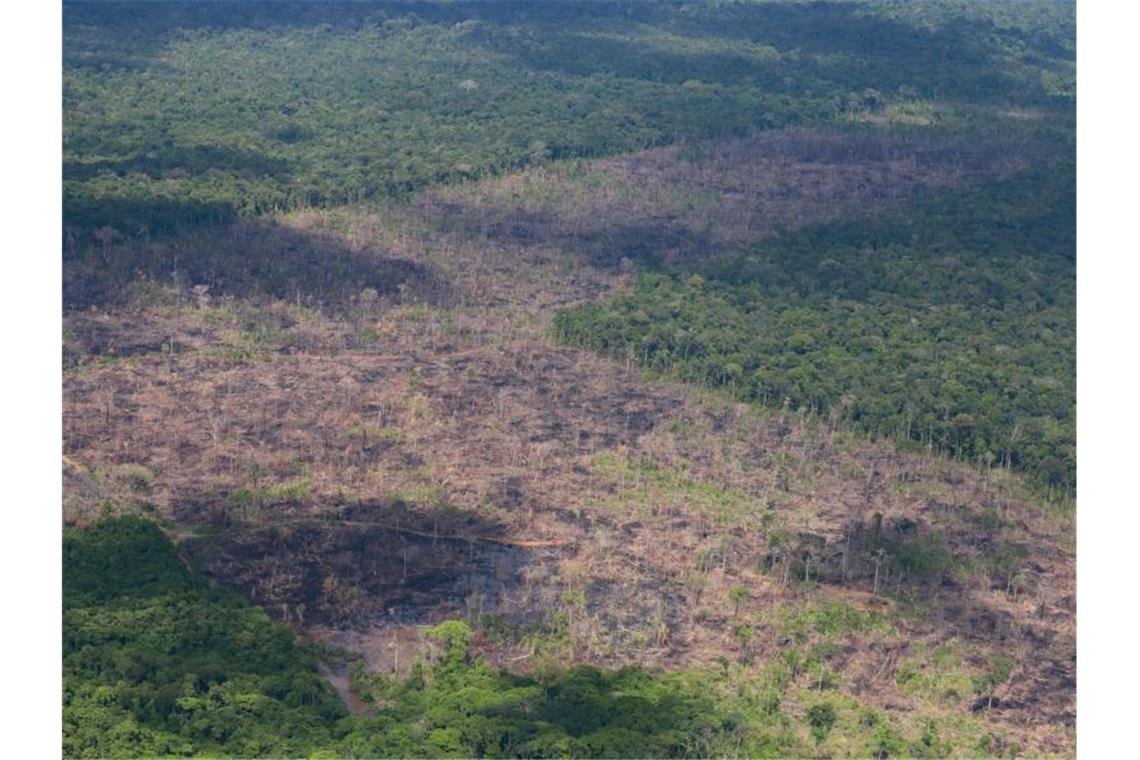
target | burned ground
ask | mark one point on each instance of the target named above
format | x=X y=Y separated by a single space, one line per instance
x=376 y=564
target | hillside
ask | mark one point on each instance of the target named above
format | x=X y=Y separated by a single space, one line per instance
x=733 y=418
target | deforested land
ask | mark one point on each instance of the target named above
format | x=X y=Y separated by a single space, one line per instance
x=520 y=379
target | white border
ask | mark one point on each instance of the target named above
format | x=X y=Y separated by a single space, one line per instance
x=1108 y=208
x=30 y=549
x=1107 y=251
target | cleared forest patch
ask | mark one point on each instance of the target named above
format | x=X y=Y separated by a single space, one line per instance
x=358 y=491
x=674 y=203
x=546 y=237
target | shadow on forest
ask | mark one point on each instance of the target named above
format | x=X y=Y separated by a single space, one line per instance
x=154 y=215
x=190 y=159
x=955 y=59
x=143 y=28
x=243 y=258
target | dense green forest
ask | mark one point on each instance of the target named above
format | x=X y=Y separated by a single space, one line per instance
x=192 y=112
x=949 y=323
x=157 y=661
x=160 y=662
